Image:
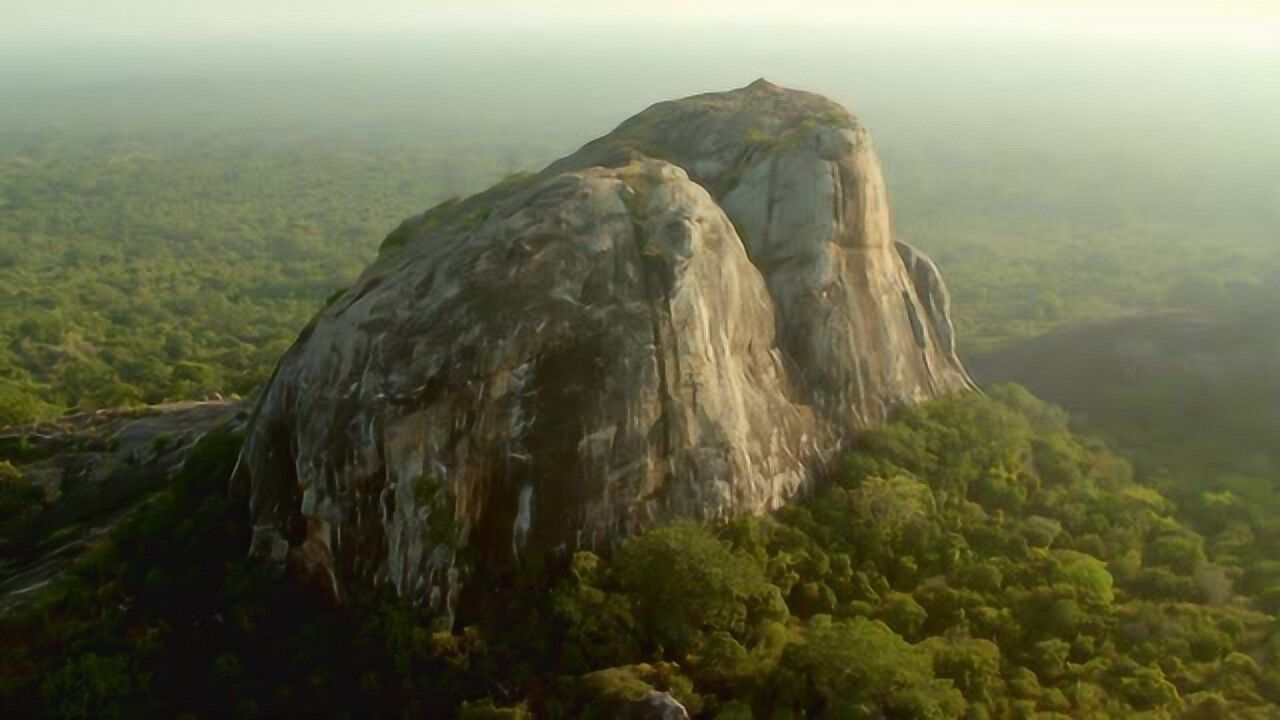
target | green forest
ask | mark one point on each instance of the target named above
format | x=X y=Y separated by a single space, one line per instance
x=138 y=270
x=972 y=559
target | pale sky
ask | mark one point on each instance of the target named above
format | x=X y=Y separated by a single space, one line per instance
x=1248 y=22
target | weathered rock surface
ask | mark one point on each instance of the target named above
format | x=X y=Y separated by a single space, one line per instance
x=88 y=470
x=655 y=705
x=91 y=458
x=683 y=319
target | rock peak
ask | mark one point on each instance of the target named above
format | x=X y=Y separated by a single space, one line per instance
x=684 y=319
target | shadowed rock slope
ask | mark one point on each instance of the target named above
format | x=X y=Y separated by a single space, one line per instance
x=685 y=318
x=81 y=474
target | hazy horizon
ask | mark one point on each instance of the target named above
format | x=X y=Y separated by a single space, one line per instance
x=1092 y=113
x=1236 y=21
x=1193 y=126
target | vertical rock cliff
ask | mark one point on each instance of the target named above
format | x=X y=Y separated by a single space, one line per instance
x=685 y=318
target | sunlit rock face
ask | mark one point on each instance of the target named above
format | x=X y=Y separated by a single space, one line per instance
x=683 y=319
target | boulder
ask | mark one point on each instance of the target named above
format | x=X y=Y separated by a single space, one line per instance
x=684 y=319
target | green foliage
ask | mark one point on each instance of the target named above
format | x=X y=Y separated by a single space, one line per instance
x=20 y=501
x=21 y=404
x=91 y=687
x=140 y=267
x=686 y=582
x=487 y=711
x=599 y=626
x=971 y=664
x=861 y=668
x=1086 y=574
x=605 y=694
x=908 y=585
x=979 y=529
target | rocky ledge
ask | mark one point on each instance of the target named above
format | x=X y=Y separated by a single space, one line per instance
x=72 y=479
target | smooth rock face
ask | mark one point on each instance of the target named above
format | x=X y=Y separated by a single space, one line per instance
x=683 y=319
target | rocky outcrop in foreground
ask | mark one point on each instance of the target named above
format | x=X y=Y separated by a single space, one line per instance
x=81 y=474
x=685 y=318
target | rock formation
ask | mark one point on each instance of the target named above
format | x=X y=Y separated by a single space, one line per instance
x=685 y=318
x=90 y=470
x=655 y=705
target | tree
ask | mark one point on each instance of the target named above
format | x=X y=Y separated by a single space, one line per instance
x=852 y=668
x=685 y=582
x=91 y=686
x=972 y=664
x=21 y=405
x=1086 y=574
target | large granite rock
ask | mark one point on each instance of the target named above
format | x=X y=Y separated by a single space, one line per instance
x=683 y=319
